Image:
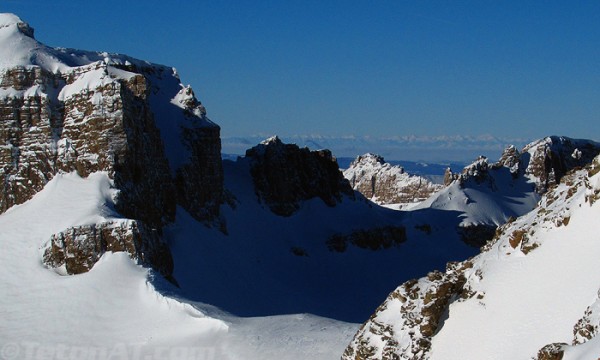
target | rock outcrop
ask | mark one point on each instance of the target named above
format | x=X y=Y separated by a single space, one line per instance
x=539 y=166
x=549 y=159
x=383 y=183
x=416 y=308
x=544 y=162
x=404 y=326
x=374 y=239
x=65 y=110
x=79 y=248
x=284 y=175
x=588 y=326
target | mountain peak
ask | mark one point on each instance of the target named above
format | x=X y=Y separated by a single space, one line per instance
x=67 y=110
x=369 y=158
x=280 y=171
x=8 y=21
x=272 y=140
x=383 y=183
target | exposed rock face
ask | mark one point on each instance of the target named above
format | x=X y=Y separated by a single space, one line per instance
x=511 y=159
x=549 y=159
x=27 y=130
x=476 y=235
x=407 y=320
x=551 y=352
x=544 y=161
x=64 y=110
x=404 y=325
x=285 y=175
x=539 y=166
x=200 y=182
x=111 y=128
x=374 y=239
x=588 y=326
x=383 y=183
x=78 y=248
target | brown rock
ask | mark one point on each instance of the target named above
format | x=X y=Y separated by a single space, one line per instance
x=79 y=248
x=284 y=175
x=383 y=183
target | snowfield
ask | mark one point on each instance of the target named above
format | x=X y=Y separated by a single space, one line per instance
x=535 y=299
x=115 y=309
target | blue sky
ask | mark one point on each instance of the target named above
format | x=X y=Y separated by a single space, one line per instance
x=521 y=69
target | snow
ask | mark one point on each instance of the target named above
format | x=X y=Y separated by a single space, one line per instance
x=113 y=303
x=530 y=301
x=93 y=79
x=116 y=306
x=371 y=169
x=295 y=307
x=255 y=262
x=172 y=116
x=7 y=19
x=585 y=351
x=97 y=69
x=490 y=202
x=19 y=49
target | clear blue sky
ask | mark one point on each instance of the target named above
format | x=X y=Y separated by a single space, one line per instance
x=507 y=68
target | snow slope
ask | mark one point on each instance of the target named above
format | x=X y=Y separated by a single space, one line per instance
x=534 y=299
x=492 y=201
x=283 y=265
x=536 y=284
x=116 y=308
x=114 y=303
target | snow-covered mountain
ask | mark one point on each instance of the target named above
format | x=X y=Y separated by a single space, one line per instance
x=533 y=292
x=125 y=235
x=489 y=194
x=107 y=159
x=384 y=183
x=98 y=152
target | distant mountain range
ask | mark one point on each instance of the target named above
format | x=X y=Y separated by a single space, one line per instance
x=431 y=149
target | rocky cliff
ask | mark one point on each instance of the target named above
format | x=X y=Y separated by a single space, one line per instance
x=65 y=110
x=383 y=183
x=539 y=272
x=544 y=162
x=284 y=175
x=489 y=194
x=78 y=248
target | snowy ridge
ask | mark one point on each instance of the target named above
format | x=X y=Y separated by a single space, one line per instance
x=86 y=71
x=386 y=184
x=491 y=193
x=514 y=287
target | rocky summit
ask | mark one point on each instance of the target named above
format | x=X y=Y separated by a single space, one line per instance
x=64 y=110
x=284 y=175
x=386 y=184
x=491 y=193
